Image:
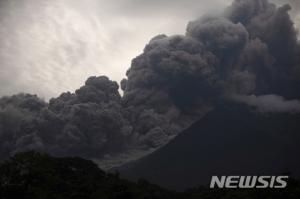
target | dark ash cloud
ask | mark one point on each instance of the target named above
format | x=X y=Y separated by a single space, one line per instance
x=250 y=51
x=270 y=103
x=83 y=123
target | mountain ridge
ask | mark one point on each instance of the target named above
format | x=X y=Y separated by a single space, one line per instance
x=231 y=140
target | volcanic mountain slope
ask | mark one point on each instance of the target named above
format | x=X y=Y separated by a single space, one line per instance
x=231 y=140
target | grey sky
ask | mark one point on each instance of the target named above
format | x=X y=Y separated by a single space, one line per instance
x=51 y=46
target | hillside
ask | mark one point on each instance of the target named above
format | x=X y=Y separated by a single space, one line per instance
x=231 y=140
x=32 y=175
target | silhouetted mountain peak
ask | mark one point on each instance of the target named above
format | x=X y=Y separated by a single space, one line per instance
x=233 y=139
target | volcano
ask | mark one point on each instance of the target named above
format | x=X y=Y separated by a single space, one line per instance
x=233 y=139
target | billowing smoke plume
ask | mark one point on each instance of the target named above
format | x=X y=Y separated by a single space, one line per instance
x=250 y=51
x=269 y=103
x=85 y=123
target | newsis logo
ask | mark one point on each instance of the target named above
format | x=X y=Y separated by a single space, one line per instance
x=247 y=182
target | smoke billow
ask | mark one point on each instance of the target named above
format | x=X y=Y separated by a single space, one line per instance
x=270 y=103
x=250 y=51
x=85 y=123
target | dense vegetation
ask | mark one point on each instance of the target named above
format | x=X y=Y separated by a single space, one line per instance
x=33 y=175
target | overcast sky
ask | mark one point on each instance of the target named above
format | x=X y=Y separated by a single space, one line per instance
x=51 y=46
